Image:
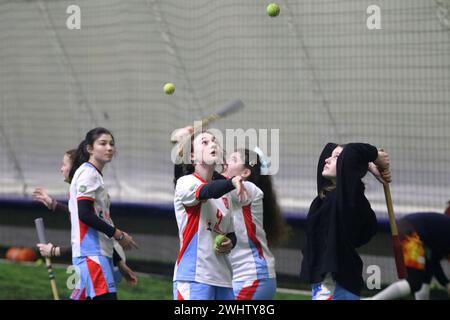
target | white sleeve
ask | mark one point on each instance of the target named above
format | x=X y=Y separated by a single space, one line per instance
x=87 y=184
x=254 y=193
x=187 y=189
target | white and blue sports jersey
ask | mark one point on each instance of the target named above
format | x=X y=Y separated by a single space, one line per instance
x=199 y=222
x=251 y=258
x=87 y=184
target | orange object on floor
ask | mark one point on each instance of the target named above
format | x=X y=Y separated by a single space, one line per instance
x=20 y=254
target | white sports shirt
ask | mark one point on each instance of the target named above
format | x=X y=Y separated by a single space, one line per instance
x=87 y=184
x=199 y=222
x=251 y=259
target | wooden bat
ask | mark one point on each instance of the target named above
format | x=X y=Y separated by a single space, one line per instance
x=39 y=222
x=229 y=108
x=397 y=246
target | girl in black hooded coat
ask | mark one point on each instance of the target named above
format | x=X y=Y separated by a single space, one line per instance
x=340 y=219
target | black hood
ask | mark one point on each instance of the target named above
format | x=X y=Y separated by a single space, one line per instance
x=326 y=153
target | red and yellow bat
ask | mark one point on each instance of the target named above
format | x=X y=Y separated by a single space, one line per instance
x=397 y=245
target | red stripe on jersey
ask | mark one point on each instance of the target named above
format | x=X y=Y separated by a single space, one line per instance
x=97 y=277
x=85 y=198
x=78 y=294
x=251 y=228
x=199 y=178
x=193 y=219
x=83 y=230
x=179 y=296
x=225 y=202
x=197 y=192
x=83 y=295
x=247 y=293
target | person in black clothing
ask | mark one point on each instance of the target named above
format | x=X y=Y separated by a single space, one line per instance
x=425 y=240
x=340 y=219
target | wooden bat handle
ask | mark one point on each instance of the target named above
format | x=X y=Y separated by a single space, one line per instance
x=51 y=276
x=204 y=122
x=207 y=120
x=392 y=222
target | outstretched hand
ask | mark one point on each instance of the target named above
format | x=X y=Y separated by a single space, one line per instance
x=126 y=241
x=39 y=194
x=128 y=274
x=242 y=193
x=181 y=133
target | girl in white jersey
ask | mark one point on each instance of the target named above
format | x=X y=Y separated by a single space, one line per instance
x=258 y=222
x=93 y=231
x=203 y=271
x=121 y=269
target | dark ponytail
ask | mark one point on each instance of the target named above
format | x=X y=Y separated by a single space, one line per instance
x=82 y=155
x=276 y=228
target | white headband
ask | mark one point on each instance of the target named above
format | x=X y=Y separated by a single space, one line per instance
x=264 y=161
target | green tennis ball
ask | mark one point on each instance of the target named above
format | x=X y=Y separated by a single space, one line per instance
x=169 y=88
x=218 y=241
x=273 y=9
x=39 y=262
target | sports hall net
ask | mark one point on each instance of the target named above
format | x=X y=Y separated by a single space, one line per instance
x=315 y=72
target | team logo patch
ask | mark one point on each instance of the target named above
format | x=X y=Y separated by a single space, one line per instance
x=82 y=189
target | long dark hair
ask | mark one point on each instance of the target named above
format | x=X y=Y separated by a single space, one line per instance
x=82 y=155
x=276 y=228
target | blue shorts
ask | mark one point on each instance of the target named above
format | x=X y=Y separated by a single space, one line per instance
x=79 y=293
x=341 y=293
x=321 y=291
x=263 y=289
x=191 y=290
x=96 y=276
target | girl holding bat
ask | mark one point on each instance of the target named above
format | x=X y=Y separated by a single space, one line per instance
x=49 y=250
x=93 y=231
x=340 y=219
x=202 y=269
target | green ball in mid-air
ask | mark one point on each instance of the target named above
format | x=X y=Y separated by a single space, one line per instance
x=273 y=9
x=218 y=240
x=169 y=88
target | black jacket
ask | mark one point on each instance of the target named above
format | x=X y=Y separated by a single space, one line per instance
x=340 y=222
